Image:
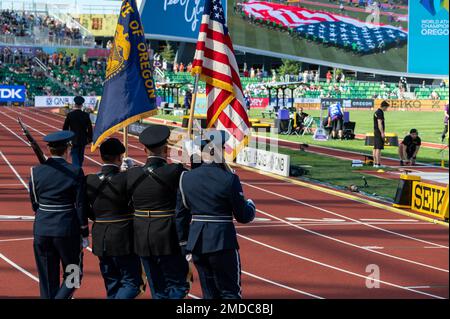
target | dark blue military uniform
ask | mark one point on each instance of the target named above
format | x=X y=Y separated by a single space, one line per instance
x=112 y=232
x=57 y=197
x=208 y=199
x=153 y=189
x=79 y=122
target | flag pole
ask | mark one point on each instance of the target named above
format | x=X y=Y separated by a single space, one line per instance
x=125 y=140
x=192 y=108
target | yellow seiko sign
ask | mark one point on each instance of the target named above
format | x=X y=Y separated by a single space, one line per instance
x=430 y=199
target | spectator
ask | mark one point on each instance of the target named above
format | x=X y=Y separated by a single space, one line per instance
x=409 y=148
x=329 y=76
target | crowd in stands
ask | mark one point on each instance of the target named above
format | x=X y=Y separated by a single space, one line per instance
x=64 y=74
x=16 y=24
x=22 y=24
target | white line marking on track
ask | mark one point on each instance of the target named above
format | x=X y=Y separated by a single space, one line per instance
x=342 y=216
x=14 y=170
x=323 y=220
x=353 y=245
x=15 y=239
x=388 y=220
x=338 y=269
x=281 y=285
x=22 y=270
x=15 y=217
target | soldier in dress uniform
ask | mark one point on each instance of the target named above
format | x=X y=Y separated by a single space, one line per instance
x=78 y=122
x=153 y=189
x=61 y=230
x=112 y=232
x=208 y=199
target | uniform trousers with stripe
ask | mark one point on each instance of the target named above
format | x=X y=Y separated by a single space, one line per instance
x=50 y=253
x=219 y=274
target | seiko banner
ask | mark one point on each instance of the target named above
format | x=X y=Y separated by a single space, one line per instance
x=12 y=93
x=61 y=101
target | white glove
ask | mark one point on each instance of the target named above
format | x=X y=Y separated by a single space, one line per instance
x=189 y=147
x=85 y=242
x=189 y=258
x=127 y=163
x=251 y=203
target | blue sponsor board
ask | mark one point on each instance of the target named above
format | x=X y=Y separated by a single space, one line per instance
x=179 y=19
x=428 y=37
x=12 y=93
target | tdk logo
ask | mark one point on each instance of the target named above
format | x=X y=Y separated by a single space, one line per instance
x=12 y=93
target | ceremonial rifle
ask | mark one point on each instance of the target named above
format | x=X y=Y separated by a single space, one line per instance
x=34 y=145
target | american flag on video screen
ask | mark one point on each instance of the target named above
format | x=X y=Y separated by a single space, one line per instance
x=215 y=62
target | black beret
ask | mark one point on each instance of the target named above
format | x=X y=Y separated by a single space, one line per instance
x=216 y=138
x=154 y=136
x=60 y=138
x=112 y=146
x=78 y=100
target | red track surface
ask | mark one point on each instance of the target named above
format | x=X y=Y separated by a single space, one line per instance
x=324 y=254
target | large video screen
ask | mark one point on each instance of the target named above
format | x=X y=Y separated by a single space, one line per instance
x=387 y=36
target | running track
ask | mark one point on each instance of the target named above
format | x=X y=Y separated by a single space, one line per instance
x=304 y=244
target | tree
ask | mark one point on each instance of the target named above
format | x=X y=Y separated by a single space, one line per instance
x=167 y=53
x=289 y=67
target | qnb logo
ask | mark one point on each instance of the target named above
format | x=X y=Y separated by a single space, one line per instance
x=13 y=94
x=434 y=6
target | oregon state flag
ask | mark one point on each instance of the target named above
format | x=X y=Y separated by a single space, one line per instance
x=129 y=90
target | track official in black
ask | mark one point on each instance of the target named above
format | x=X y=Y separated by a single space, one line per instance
x=79 y=123
x=209 y=197
x=112 y=233
x=153 y=189
x=60 y=229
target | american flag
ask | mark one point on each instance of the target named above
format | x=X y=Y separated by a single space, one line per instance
x=215 y=63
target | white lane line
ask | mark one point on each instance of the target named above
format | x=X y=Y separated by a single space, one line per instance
x=324 y=220
x=372 y=247
x=14 y=133
x=353 y=245
x=338 y=269
x=16 y=266
x=281 y=285
x=14 y=170
x=15 y=239
x=342 y=216
x=387 y=220
x=15 y=217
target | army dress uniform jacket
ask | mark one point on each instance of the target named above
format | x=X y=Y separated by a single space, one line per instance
x=208 y=198
x=109 y=208
x=79 y=122
x=57 y=192
x=154 y=200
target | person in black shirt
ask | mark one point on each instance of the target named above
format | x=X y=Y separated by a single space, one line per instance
x=409 y=148
x=379 y=133
x=78 y=122
x=109 y=206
